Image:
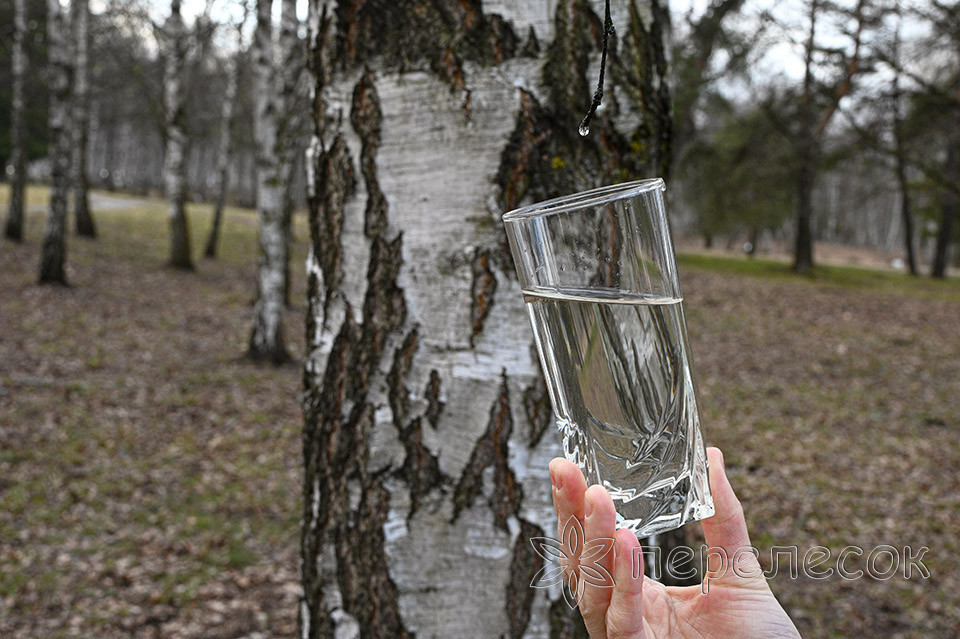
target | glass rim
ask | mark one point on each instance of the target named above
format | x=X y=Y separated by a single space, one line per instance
x=584 y=199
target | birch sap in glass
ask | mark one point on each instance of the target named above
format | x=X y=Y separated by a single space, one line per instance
x=599 y=281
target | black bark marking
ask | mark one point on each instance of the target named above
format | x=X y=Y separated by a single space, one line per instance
x=324 y=493
x=420 y=469
x=366 y=117
x=642 y=75
x=432 y=394
x=384 y=310
x=397 y=393
x=492 y=450
x=335 y=184
x=404 y=35
x=531 y=48
x=482 y=291
x=523 y=568
x=536 y=405
x=369 y=594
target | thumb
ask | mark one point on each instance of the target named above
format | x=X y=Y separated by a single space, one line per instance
x=726 y=532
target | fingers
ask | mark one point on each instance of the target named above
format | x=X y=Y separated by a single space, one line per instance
x=596 y=563
x=625 y=612
x=726 y=531
x=569 y=487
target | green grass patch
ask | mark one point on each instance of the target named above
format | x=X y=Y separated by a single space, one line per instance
x=841 y=276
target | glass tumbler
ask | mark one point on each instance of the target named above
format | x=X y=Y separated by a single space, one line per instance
x=599 y=279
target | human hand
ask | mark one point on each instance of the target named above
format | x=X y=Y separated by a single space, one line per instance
x=733 y=607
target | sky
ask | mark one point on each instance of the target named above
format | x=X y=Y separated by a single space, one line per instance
x=782 y=60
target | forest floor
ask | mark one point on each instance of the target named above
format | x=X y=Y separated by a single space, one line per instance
x=150 y=477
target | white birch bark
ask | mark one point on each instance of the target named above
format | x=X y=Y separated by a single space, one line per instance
x=13 y=228
x=427 y=426
x=54 y=250
x=174 y=177
x=80 y=15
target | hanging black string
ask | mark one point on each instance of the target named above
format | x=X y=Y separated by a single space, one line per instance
x=598 y=95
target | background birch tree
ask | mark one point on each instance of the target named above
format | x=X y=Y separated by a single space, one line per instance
x=13 y=228
x=428 y=428
x=175 y=42
x=234 y=65
x=273 y=97
x=54 y=250
x=80 y=16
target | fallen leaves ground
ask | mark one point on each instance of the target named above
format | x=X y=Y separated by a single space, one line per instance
x=150 y=477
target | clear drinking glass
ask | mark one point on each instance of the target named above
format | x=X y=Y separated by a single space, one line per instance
x=600 y=282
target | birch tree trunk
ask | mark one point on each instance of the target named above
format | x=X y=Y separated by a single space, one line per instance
x=80 y=15
x=271 y=120
x=54 y=250
x=426 y=420
x=223 y=152
x=13 y=228
x=292 y=124
x=174 y=168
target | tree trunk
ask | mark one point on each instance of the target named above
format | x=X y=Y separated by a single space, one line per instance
x=223 y=152
x=803 y=248
x=906 y=214
x=950 y=210
x=54 y=251
x=80 y=13
x=13 y=229
x=292 y=125
x=900 y=155
x=425 y=416
x=266 y=338
x=174 y=168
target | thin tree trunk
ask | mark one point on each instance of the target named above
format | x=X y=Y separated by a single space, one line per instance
x=949 y=211
x=13 y=228
x=292 y=123
x=900 y=155
x=223 y=153
x=266 y=338
x=807 y=170
x=175 y=181
x=80 y=12
x=425 y=417
x=803 y=248
x=905 y=212
x=54 y=251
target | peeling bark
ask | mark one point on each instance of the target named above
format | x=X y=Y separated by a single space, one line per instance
x=13 y=228
x=54 y=250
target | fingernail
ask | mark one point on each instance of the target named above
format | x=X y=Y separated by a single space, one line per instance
x=588 y=507
x=556 y=479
